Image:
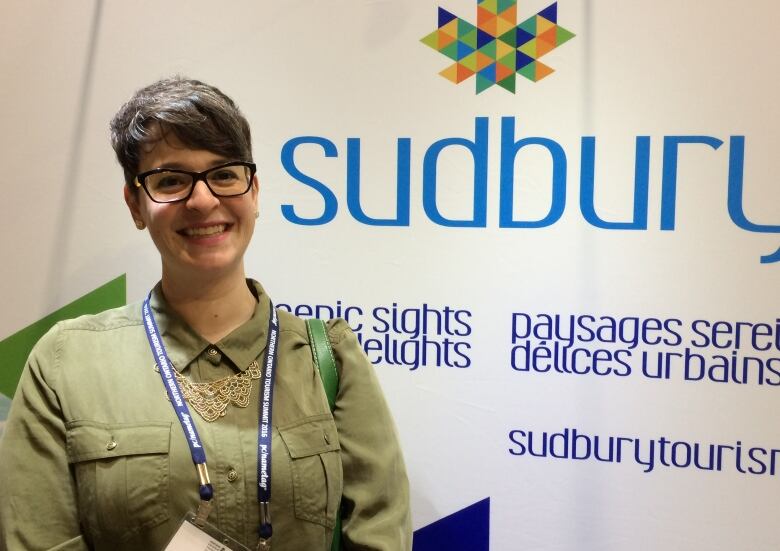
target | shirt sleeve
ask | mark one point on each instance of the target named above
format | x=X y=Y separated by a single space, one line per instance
x=375 y=501
x=38 y=508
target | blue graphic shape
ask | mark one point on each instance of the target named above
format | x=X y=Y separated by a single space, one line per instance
x=489 y=72
x=550 y=13
x=465 y=530
x=484 y=38
x=445 y=17
x=770 y=258
x=464 y=50
x=522 y=36
x=521 y=60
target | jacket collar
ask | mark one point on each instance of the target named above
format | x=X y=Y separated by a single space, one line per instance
x=242 y=346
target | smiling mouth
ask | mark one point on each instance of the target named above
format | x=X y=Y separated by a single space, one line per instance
x=204 y=231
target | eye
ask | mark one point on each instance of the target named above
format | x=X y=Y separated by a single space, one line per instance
x=227 y=174
x=167 y=182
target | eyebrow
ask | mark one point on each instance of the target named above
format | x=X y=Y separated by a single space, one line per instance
x=182 y=166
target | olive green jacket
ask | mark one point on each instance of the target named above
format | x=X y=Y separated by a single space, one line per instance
x=93 y=455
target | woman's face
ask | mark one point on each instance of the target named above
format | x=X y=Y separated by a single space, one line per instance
x=204 y=235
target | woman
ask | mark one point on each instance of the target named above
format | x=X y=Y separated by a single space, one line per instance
x=95 y=456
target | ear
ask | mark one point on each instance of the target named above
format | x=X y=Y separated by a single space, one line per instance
x=255 y=189
x=131 y=200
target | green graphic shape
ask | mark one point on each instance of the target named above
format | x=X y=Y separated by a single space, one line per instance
x=15 y=349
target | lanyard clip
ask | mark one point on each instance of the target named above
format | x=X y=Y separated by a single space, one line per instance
x=203 y=513
x=264 y=530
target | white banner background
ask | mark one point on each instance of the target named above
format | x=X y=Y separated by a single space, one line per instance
x=356 y=69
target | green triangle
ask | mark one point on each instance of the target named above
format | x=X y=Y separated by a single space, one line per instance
x=464 y=28
x=509 y=60
x=489 y=49
x=451 y=50
x=509 y=37
x=529 y=25
x=503 y=5
x=470 y=61
x=489 y=5
x=483 y=83
x=15 y=349
x=431 y=40
x=470 y=38
x=563 y=35
x=508 y=83
x=529 y=48
x=529 y=71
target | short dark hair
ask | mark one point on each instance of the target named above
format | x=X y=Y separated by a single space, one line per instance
x=199 y=115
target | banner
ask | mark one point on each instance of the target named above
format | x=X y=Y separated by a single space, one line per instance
x=553 y=227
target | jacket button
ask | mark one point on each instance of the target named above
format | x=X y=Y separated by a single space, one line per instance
x=111 y=445
x=232 y=475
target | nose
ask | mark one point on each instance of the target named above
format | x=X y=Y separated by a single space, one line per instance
x=201 y=198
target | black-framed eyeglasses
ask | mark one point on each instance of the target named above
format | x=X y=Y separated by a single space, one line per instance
x=168 y=185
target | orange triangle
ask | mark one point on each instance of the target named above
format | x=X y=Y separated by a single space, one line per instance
x=483 y=60
x=543 y=47
x=463 y=73
x=484 y=17
x=451 y=73
x=550 y=36
x=490 y=26
x=542 y=71
x=445 y=40
x=502 y=72
x=510 y=15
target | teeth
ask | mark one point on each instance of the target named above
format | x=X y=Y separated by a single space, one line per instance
x=209 y=230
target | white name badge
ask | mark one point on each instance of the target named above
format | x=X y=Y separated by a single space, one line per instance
x=190 y=537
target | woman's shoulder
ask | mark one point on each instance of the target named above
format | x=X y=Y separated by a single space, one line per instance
x=337 y=328
x=114 y=318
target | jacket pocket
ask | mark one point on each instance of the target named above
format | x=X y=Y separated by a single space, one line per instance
x=315 y=461
x=121 y=475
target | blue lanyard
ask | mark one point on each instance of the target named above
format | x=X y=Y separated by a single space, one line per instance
x=264 y=431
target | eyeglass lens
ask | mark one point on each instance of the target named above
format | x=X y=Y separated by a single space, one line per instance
x=172 y=185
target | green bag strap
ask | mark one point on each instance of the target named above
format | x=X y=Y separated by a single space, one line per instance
x=322 y=354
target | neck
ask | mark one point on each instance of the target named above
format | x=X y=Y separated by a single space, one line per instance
x=213 y=307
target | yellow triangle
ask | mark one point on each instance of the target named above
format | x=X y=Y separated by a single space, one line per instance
x=503 y=49
x=450 y=29
x=543 y=24
x=451 y=73
x=503 y=26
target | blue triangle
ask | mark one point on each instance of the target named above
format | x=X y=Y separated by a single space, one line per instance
x=445 y=17
x=489 y=73
x=463 y=50
x=521 y=60
x=523 y=36
x=465 y=530
x=550 y=13
x=483 y=38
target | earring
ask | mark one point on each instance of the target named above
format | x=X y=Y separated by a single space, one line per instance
x=140 y=224
x=257 y=214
